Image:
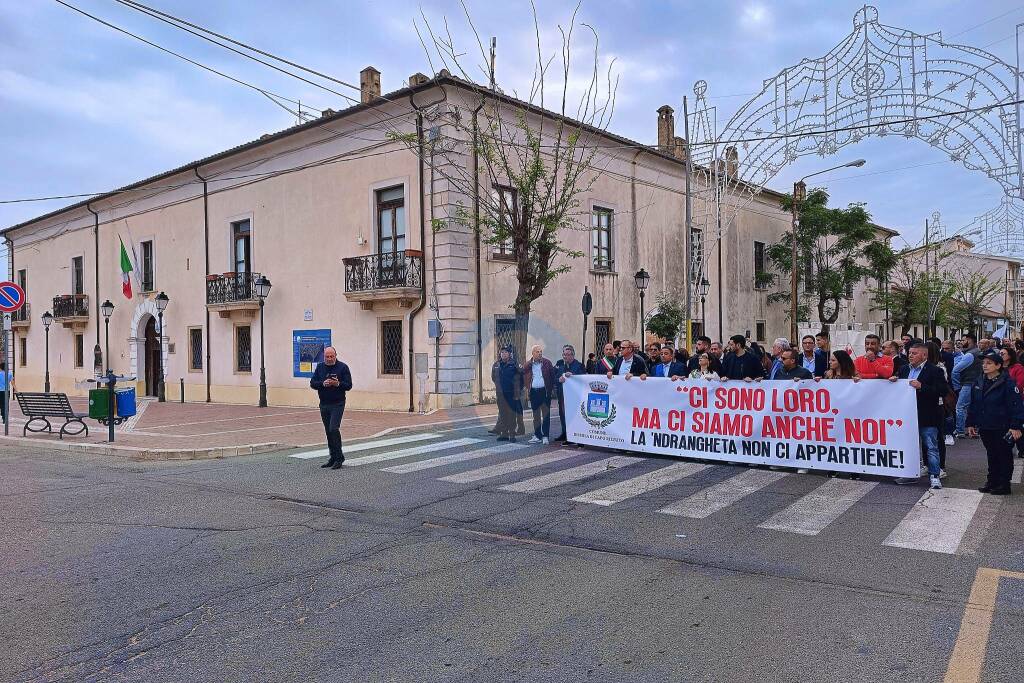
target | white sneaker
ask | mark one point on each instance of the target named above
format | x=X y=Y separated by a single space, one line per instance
x=942 y=474
x=533 y=439
x=802 y=470
x=936 y=483
x=545 y=441
x=950 y=441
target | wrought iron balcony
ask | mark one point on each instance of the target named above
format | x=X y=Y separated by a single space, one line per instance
x=392 y=276
x=71 y=309
x=232 y=292
x=22 y=317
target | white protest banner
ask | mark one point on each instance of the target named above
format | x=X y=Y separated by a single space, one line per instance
x=868 y=427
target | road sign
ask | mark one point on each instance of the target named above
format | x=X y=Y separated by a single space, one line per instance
x=12 y=297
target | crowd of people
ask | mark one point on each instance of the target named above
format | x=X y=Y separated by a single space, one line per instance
x=966 y=389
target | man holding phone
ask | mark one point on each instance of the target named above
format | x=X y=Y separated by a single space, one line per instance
x=332 y=379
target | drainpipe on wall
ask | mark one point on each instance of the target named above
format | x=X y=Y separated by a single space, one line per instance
x=206 y=271
x=423 y=241
x=96 y=266
x=479 y=260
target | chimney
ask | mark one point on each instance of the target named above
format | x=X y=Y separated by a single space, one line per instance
x=369 y=84
x=666 y=128
x=417 y=79
x=327 y=112
x=732 y=161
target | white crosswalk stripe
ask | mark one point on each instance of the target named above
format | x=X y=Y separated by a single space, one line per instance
x=630 y=488
x=820 y=507
x=723 y=494
x=418 y=465
x=1018 y=472
x=408 y=452
x=512 y=466
x=937 y=522
x=590 y=469
x=366 y=445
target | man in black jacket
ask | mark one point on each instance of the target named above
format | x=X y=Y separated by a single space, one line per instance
x=930 y=384
x=740 y=363
x=332 y=379
x=567 y=366
x=628 y=363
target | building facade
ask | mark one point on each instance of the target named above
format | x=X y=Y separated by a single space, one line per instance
x=341 y=215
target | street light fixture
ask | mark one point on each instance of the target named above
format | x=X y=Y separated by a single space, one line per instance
x=702 y=290
x=107 y=309
x=799 y=196
x=161 y=304
x=262 y=286
x=642 y=279
x=47 y=321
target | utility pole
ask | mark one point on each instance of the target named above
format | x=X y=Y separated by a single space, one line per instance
x=688 y=237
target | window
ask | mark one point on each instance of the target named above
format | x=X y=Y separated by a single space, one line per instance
x=602 y=335
x=391 y=220
x=808 y=274
x=760 y=265
x=760 y=331
x=508 y=206
x=79 y=350
x=504 y=331
x=78 y=275
x=848 y=292
x=195 y=348
x=23 y=348
x=391 y=347
x=147 y=265
x=23 y=279
x=601 y=239
x=241 y=240
x=243 y=348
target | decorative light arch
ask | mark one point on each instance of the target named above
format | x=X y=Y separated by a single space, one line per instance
x=879 y=81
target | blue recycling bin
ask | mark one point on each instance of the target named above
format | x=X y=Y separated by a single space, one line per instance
x=124 y=401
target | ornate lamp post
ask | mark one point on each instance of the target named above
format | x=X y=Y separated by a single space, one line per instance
x=702 y=290
x=161 y=304
x=47 y=321
x=107 y=309
x=262 y=286
x=642 y=279
x=799 y=195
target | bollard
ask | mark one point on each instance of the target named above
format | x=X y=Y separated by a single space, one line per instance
x=181 y=381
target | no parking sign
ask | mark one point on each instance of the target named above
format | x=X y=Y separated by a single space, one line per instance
x=12 y=297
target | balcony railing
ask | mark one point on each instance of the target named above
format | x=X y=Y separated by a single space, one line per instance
x=375 y=272
x=231 y=288
x=71 y=306
x=22 y=317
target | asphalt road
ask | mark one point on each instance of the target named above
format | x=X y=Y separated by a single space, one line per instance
x=402 y=567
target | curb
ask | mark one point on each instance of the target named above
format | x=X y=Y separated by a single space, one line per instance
x=135 y=453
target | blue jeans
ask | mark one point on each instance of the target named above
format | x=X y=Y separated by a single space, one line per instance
x=930 y=444
x=963 y=402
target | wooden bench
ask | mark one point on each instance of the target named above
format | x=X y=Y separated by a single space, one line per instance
x=38 y=406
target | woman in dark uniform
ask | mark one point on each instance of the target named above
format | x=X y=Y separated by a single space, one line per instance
x=997 y=415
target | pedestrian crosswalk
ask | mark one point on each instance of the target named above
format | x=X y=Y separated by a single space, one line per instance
x=938 y=521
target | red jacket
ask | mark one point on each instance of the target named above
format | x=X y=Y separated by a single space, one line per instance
x=1017 y=375
x=547 y=369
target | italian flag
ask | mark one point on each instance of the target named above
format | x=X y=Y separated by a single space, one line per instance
x=126 y=269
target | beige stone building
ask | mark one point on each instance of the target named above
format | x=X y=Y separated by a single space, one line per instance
x=337 y=213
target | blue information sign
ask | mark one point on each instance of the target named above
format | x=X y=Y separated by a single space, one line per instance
x=308 y=350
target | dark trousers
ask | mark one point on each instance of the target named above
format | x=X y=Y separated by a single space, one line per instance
x=331 y=415
x=506 y=425
x=561 y=413
x=1000 y=457
x=540 y=401
x=3 y=405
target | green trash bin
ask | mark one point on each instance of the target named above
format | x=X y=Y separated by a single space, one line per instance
x=99 y=403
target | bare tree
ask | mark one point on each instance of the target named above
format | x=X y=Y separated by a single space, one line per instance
x=531 y=167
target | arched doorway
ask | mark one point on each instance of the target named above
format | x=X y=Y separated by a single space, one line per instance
x=151 y=344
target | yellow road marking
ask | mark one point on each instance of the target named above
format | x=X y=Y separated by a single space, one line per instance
x=968 y=658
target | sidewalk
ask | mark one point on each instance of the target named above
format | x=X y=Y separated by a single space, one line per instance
x=213 y=430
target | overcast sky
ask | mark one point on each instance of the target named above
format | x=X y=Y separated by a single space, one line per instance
x=84 y=108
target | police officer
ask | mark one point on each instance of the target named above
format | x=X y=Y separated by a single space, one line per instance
x=997 y=414
x=508 y=385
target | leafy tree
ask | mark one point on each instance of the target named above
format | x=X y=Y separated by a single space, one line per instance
x=839 y=248
x=667 y=322
x=971 y=292
x=915 y=279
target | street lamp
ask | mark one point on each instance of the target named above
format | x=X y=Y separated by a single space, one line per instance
x=262 y=286
x=161 y=304
x=702 y=289
x=107 y=309
x=47 y=320
x=799 y=195
x=642 y=279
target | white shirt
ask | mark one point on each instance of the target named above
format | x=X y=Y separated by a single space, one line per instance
x=538 y=375
x=626 y=365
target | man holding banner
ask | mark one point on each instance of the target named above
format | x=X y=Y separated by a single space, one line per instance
x=930 y=385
